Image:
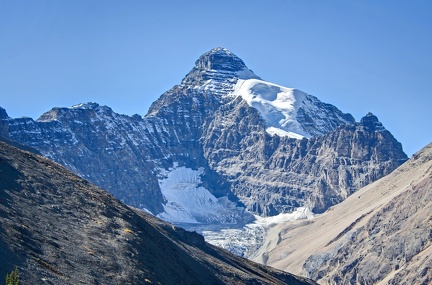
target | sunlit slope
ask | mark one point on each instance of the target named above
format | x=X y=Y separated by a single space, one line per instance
x=383 y=231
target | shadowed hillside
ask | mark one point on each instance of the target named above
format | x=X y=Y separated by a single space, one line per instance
x=60 y=229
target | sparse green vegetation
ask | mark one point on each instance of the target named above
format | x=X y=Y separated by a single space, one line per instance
x=12 y=278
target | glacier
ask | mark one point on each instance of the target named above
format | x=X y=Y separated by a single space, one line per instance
x=222 y=222
x=187 y=202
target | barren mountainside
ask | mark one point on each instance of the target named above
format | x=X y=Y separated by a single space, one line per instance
x=379 y=235
x=57 y=228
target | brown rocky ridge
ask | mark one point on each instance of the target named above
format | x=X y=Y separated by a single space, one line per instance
x=382 y=234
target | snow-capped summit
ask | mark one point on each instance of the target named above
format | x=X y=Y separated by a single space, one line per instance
x=219 y=76
x=202 y=155
x=213 y=78
x=286 y=111
x=88 y=105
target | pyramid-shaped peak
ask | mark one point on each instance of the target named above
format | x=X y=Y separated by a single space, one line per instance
x=369 y=118
x=371 y=121
x=3 y=114
x=219 y=64
x=220 y=59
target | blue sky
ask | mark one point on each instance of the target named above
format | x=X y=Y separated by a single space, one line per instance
x=360 y=56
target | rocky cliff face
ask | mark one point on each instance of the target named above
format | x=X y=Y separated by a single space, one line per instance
x=57 y=228
x=268 y=147
x=112 y=150
x=3 y=123
x=273 y=174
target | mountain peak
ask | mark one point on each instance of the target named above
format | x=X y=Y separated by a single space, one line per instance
x=55 y=113
x=220 y=64
x=220 y=59
x=371 y=121
x=3 y=114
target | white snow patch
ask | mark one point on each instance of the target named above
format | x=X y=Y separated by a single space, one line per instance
x=299 y=214
x=77 y=105
x=273 y=131
x=219 y=220
x=242 y=242
x=278 y=105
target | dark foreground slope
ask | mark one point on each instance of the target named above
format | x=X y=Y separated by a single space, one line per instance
x=59 y=229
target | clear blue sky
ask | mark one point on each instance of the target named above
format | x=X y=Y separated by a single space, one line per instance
x=360 y=56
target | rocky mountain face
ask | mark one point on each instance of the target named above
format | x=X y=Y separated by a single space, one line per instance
x=268 y=148
x=3 y=123
x=273 y=174
x=113 y=151
x=57 y=228
x=379 y=235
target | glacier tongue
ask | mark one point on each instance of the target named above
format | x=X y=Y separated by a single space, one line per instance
x=187 y=202
x=245 y=241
